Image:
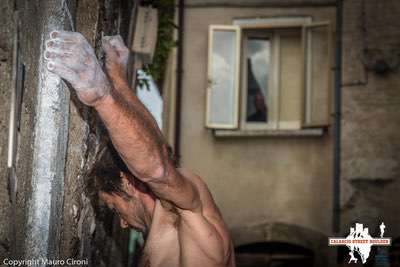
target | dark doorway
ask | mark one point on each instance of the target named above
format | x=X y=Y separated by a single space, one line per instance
x=273 y=254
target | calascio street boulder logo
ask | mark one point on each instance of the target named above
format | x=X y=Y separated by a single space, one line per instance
x=360 y=241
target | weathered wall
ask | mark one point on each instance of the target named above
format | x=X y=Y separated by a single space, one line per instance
x=6 y=37
x=89 y=231
x=253 y=180
x=78 y=214
x=371 y=112
x=30 y=41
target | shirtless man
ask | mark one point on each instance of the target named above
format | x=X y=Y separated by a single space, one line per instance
x=177 y=213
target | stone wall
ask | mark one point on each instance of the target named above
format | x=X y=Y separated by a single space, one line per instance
x=371 y=112
x=6 y=39
x=89 y=231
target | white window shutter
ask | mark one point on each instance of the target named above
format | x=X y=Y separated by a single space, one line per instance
x=222 y=111
x=145 y=39
x=317 y=74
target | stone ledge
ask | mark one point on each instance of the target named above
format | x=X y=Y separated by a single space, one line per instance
x=316 y=132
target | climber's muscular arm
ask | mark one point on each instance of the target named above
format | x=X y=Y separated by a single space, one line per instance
x=130 y=125
x=140 y=142
x=143 y=149
x=117 y=55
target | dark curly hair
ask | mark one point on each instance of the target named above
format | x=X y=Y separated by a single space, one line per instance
x=105 y=174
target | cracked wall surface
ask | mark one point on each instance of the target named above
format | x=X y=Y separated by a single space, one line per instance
x=6 y=37
x=89 y=230
x=371 y=112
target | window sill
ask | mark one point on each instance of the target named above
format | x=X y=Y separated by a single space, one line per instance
x=315 y=132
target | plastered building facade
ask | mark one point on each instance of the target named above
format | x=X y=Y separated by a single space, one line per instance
x=277 y=186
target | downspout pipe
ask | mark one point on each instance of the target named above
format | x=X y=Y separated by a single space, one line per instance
x=337 y=118
x=45 y=202
x=179 y=73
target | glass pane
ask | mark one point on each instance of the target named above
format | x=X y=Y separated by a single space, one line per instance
x=223 y=78
x=258 y=69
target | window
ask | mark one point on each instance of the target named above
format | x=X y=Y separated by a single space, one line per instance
x=269 y=74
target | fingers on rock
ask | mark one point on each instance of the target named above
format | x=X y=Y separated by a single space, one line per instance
x=63 y=71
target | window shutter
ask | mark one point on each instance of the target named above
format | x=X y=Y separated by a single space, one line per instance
x=145 y=39
x=317 y=44
x=222 y=110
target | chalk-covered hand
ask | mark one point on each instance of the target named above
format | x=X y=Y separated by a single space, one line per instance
x=70 y=56
x=117 y=55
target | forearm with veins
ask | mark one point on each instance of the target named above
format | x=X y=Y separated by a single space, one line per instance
x=133 y=132
x=141 y=143
x=132 y=129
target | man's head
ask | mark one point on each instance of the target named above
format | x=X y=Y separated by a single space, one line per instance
x=121 y=191
x=259 y=101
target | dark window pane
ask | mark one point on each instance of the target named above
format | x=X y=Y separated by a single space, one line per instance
x=258 y=69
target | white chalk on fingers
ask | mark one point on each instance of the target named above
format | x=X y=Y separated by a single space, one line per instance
x=114 y=41
x=117 y=43
x=66 y=36
x=50 y=65
x=63 y=71
x=54 y=34
x=107 y=47
x=106 y=37
x=48 y=42
x=54 y=54
x=62 y=49
x=47 y=55
x=117 y=40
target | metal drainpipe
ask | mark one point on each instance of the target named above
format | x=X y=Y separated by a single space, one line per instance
x=44 y=215
x=337 y=118
x=179 y=72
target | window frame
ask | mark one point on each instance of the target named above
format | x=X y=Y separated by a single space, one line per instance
x=273 y=82
x=273 y=24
